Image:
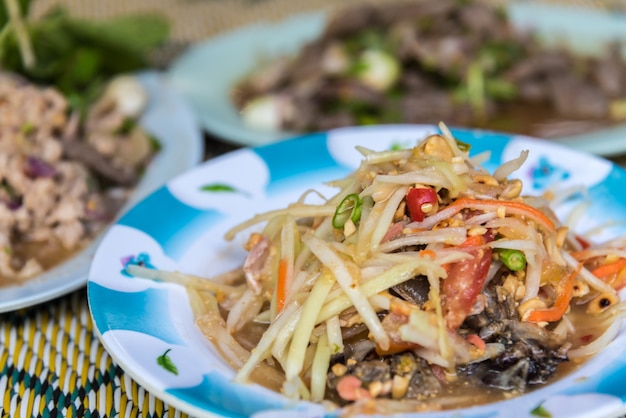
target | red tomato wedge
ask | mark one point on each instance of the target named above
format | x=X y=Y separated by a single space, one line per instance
x=464 y=283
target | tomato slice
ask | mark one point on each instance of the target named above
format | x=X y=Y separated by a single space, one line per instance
x=464 y=283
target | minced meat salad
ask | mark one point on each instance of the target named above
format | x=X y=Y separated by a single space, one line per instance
x=63 y=177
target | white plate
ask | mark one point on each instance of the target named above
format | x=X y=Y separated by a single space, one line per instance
x=206 y=73
x=169 y=119
x=180 y=227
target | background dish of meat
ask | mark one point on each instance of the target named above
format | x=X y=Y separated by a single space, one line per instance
x=167 y=118
x=207 y=81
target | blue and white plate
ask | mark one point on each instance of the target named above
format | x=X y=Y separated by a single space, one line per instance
x=181 y=226
x=207 y=72
x=168 y=118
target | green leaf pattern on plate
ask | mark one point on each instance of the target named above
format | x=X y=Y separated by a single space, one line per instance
x=166 y=362
x=540 y=411
x=221 y=188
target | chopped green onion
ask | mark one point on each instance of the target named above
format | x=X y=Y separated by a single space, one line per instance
x=514 y=260
x=349 y=208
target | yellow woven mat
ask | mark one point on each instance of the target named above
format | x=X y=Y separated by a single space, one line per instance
x=53 y=365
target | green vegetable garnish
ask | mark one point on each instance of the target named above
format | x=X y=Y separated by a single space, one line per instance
x=349 y=208
x=77 y=56
x=127 y=126
x=497 y=88
x=476 y=89
x=155 y=143
x=514 y=260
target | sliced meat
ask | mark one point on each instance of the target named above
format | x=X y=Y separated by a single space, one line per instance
x=609 y=72
x=575 y=98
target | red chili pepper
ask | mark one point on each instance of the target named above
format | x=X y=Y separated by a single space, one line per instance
x=416 y=198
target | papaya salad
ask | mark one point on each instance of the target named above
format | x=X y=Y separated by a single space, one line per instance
x=425 y=283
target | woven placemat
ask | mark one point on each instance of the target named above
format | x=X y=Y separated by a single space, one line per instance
x=53 y=365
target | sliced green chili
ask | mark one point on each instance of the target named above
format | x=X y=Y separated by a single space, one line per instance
x=515 y=260
x=349 y=208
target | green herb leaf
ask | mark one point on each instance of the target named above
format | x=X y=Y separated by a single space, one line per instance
x=166 y=362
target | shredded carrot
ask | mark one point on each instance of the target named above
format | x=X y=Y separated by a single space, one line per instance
x=428 y=253
x=521 y=208
x=607 y=270
x=281 y=285
x=561 y=303
x=476 y=341
x=473 y=241
x=579 y=255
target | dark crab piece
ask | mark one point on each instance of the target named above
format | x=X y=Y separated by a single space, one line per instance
x=372 y=371
x=531 y=353
x=422 y=380
x=523 y=363
x=358 y=349
x=414 y=290
x=513 y=378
